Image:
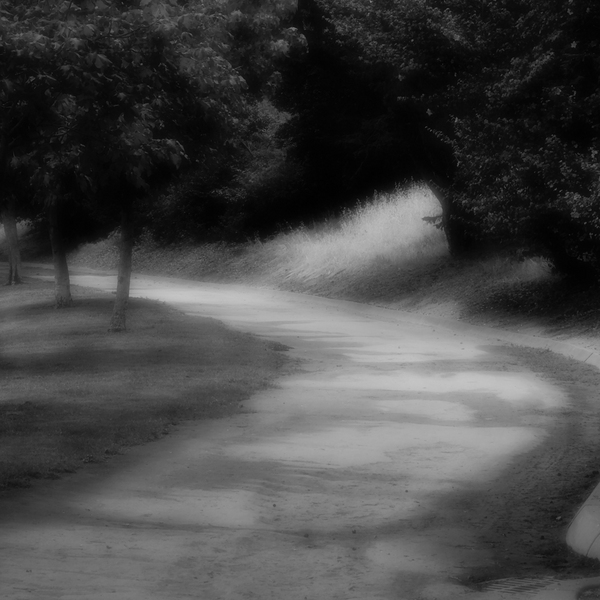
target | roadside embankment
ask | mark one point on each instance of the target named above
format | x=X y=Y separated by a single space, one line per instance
x=382 y=253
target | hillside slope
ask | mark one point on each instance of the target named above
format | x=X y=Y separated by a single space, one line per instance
x=383 y=253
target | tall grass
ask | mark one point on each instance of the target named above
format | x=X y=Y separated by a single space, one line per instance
x=379 y=252
x=384 y=231
x=381 y=246
x=387 y=229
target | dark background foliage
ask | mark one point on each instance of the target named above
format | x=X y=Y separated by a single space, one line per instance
x=493 y=103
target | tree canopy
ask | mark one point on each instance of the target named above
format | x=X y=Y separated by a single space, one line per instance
x=276 y=110
x=492 y=101
x=105 y=99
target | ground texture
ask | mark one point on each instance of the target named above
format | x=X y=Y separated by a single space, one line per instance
x=397 y=461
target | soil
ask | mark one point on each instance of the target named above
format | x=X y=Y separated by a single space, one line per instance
x=463 y=290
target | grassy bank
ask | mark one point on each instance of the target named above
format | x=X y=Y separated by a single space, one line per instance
x=385 y=230
x=383 y=253
x=72 y=393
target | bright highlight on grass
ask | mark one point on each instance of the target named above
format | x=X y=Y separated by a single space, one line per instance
x=389 y=228
x=383 y=233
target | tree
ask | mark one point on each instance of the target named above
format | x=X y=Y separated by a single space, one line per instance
x=25 y=113
x=12 y=242
x=235 y=191
x=133 y=89
x=261 y=33
x=534 y=142
x=31 y=98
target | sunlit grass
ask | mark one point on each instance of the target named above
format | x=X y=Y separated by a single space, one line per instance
x=380 y=252
x=382 y=248
x=387 y=228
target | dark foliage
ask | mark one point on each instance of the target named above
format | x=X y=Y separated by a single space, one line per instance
x=344 y=133
x=493 y=103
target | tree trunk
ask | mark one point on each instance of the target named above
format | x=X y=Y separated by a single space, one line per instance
x=62 y=283
x=460 y=242
x=118 y=321
x=12 y=243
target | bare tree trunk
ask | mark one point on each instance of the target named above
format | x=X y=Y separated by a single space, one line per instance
x=12 y=243
x=439 y=194
x=118 y=320
x=9 y=220
x=62 y=283
x=460 y=242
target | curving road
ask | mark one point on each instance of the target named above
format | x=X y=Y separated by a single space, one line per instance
x=358 y=477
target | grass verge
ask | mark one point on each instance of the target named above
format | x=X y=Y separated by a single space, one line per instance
x=385 y=230
x=383 y=253
x=72 y=393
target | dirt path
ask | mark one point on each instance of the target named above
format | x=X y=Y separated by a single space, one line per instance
x=398 y=461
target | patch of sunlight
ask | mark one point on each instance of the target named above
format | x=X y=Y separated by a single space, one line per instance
x=387 y=229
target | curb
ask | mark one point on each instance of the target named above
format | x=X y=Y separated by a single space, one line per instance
x=583 y=533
